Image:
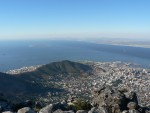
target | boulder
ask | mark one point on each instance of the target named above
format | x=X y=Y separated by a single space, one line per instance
x=95 y=110
x=82 y=111
x=64 y=102
x=7 y=112
x=132 y=105
x=133 y=111
x=125 y=111
x=25 y=110
x=147 y=111
x=58 y=111
x=47 y=109
x=61 y=111
x=57 y=107
x=70 y=111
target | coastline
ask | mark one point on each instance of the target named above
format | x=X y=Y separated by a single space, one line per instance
x=136 y=45
x=25 y=69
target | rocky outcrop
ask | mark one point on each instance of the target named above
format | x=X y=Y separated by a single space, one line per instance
x=132 y=107
x=105 y=100
x=113 y=100
x=25 y=110
x=95 y=110
x=61 y=111
x=7 y=112
x=47 y=109
x=82 y=111
x=57 y=108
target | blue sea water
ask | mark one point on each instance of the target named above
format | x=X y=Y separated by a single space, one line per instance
x=16 y=54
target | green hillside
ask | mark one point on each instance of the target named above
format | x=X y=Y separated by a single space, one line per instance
x=37 y=82
x=62 y=67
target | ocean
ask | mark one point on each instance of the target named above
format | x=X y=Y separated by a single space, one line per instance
x=17 y=54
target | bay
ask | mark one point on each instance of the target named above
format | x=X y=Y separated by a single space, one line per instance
x=17 y=54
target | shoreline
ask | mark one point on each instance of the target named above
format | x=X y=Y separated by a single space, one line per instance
x=138 y=46
x=25 y=69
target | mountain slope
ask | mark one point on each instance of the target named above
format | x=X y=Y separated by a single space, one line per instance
x=62 y=67
x=11 y=84
x=13 y=88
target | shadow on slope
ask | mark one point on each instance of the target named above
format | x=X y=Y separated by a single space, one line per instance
x=55 y=68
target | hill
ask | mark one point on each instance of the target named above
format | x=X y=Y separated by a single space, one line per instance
x=38 y=82
x=55 y=68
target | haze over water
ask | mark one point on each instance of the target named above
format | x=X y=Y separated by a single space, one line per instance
x=16 y=54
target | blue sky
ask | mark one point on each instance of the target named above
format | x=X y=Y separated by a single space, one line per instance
x=25 y=19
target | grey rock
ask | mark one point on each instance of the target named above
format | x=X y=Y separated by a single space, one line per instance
x=25 y=110
x=133 y=111
x=60 y=111
x=70 y=111
x=116 y=108
x=147 y=111
x=47 y=109
x=64 y=102
x=82 y=111
x=132 y=105
x=112 y=100
x=96 y=110
x=125 y=111
x=7 y=112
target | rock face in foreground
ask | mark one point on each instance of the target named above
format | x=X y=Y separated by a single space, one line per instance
x=105 y=100
x=56 y=108
x=25 y=110
x=47 y=109
x=112 y=100
x=7 y=112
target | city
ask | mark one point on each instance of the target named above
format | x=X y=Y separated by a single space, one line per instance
x=118 y=74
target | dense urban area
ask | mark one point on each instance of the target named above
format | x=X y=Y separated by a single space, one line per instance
x=117 y=74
